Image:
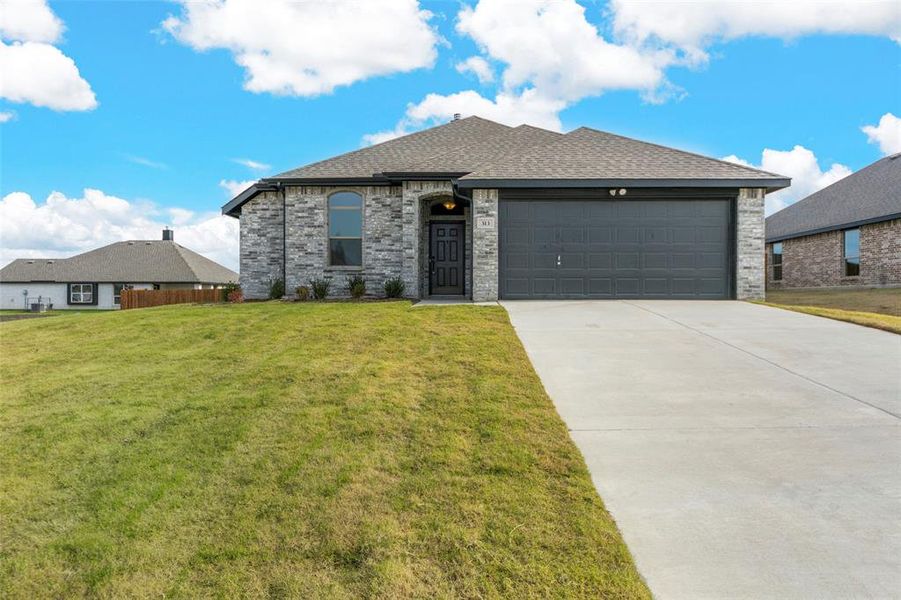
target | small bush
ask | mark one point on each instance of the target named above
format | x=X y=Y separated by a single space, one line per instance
x=356 y=286
x=231 y=292
x=321 y=287
x=276 y=288
x=394 y=287
x=303 y=292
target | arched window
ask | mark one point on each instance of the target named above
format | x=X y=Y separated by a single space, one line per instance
x=345 y=229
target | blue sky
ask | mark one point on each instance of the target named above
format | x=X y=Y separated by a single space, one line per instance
x=171 y=120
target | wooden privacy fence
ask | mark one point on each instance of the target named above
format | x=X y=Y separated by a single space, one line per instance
x=145 y=298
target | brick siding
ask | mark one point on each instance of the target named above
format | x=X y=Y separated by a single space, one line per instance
x=816 y=260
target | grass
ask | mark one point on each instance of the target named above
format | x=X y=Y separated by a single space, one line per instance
x=886 y=301
x=879 y=308
x=292 y=450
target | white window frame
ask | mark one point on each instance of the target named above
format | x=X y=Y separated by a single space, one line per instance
x=81 y=293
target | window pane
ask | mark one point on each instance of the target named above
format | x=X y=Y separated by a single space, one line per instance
x=777 y=249
x=346 y=252
x=852 y=267
x=777 y=273
x=852 y=242
x=345 y=199
x=345 y=223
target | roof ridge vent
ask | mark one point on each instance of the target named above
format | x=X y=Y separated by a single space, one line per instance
x=894 y=156
x=147 y=243
x=131 y=243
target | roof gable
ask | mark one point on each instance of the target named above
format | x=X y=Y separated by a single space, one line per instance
x=869 y=195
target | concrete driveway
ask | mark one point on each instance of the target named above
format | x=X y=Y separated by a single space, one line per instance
x=744 y=451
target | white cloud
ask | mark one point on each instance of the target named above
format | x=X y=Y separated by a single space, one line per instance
x=7 y=116
x=29 y=20
x=552 y=57
x=310 y=48
x=479 y=67
x=40 y=74
x=235 y=187
x=252 y=164
x=63 y=226
x=35 y=71
x=549 y=48
x=802 y=166
x=383 y=136
x=693 y=26
x=146 y=162
x=887 y=133
x=527 y=106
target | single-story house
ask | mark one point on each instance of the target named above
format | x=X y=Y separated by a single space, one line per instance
x=847 y=234
x=476 y=209
x=95 y=279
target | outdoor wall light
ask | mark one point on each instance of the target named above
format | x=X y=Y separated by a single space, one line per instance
x=449 y=204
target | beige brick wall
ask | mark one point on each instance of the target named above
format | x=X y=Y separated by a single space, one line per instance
x=816 y=260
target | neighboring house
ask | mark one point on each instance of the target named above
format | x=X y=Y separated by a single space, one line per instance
x=846 y=234
x=480 y=210
x=95 y=279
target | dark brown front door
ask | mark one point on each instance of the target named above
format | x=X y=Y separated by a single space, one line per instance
x=446 y=258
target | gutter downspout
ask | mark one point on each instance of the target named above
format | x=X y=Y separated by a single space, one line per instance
x=281 y=187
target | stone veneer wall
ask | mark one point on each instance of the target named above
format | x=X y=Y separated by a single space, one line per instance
x=749 y=247
x=816 y=260
x=307 y=239
x=415 y=254
x=484 y=247
x=261 y=248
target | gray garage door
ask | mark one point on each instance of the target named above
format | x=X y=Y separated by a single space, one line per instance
x=563 y=248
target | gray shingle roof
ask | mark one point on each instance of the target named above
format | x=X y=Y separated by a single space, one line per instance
x=394 y=156
x=140 y=261
x=480 y=152
x=587 y=153
x=871 y=194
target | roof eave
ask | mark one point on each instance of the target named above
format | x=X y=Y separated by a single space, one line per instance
x=771 y=184
x=828 y=228
x=233 y=207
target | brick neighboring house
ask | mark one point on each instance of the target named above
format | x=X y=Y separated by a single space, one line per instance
x=476 y=209
x=847 y=234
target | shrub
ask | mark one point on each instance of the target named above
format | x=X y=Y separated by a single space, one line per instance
x=303 y=292
x=394 y=287
x=231 y=292
x=356 y=286
x=276 y=288
x=321 y=287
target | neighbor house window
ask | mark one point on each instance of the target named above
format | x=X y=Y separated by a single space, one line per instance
x=851 y=252
x=117 y=292
x=81 y=293
x=345 y=229
x=777 y=261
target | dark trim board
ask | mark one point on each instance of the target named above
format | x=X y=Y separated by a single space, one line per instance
x=851 y=225
x=771 y=184
x=631 y=194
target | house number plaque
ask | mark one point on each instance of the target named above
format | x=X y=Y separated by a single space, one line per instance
x=485 y=222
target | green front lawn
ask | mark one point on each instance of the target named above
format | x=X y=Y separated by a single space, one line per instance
x=886 y=301
x=292 y=450
x=879 y=308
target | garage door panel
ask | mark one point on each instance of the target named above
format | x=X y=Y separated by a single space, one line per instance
x=615 y=248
